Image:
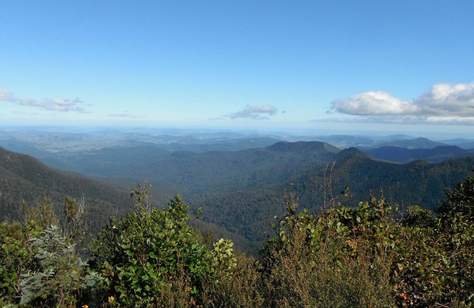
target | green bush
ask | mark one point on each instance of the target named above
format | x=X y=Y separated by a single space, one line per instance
x=367 y=256
x=457 y=234
x=57 y=273
x=152 y=253
x=14 y=257
x=316 y=261
x=39 y=265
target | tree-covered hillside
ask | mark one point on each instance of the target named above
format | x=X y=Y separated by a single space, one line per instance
x=349 y=178
x=190 y=172
x=26 y=183
x=355 y=173
x=23 y=179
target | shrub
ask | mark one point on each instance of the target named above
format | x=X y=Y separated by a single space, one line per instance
x=149 y=255
x=316 y=261
x=239 y=287
x=57 y=273
x=14 y=257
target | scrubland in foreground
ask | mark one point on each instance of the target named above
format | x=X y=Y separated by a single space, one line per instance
x=369 y=256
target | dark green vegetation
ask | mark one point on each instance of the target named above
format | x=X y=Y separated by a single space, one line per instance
x=350 y=178
x=24 y=180
x=404 y=155
x=371 y=255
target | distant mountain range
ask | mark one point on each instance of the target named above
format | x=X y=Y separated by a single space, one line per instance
x=250 y=211
x=240 y=190
x=57 y=141
x=462 y=143
x=402 y=141
x=405 y=155
x=50 y=141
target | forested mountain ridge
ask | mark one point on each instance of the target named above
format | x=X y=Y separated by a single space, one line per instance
x=192 y=172
x=404 y=155
x=25 y=179
x=417 y=182
x=349 y=178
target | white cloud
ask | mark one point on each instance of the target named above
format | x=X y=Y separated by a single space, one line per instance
x=374 y=103
x=448 y=100
x=442 y=104
x=50 y=104
x=261 y=112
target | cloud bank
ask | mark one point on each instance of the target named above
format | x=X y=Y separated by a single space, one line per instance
x=262 y=112
x=442 y=104
x=49 y=104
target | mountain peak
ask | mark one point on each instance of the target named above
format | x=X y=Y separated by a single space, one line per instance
x=351 y=153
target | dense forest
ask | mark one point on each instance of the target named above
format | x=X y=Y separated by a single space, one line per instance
x=350 y=178
x=371 y=255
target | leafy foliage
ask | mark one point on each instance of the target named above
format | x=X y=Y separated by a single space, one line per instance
x=457 y=234
x=40 y=265
x=151 y=252
x=14 y=257
x=57 y=272
x=371 y=255
x=313 y=256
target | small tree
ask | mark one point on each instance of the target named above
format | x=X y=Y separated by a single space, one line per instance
x=57 y=274
x=457 y=232
x=460 y=201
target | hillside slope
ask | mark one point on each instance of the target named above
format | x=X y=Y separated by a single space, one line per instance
x=251 y=212
x=418 y=182
x=25 y=179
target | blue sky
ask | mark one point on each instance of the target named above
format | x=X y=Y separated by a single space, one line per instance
x=383 y=65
